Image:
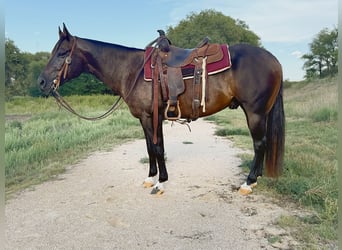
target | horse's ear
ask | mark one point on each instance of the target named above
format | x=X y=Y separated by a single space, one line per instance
x=65 y=32
x=61 y=34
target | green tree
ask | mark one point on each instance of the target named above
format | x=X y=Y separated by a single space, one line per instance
x=16 y=66
x=218 y=27
x=85 y=84
x=22 y=70
x=36 y=65
x=322 y=59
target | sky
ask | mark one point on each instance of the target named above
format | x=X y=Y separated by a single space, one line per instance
x=285 y=27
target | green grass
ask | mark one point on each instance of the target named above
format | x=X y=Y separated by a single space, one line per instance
x=310 y=165
x=39 y=147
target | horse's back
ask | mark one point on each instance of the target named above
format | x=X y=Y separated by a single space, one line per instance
x=257 y=76
x=244 y=55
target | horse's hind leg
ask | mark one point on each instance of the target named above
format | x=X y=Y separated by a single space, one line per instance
x=257 y=127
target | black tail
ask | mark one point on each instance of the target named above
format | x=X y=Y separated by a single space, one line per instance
x=275 y=137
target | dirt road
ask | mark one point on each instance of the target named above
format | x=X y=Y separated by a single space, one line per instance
x=100 y=203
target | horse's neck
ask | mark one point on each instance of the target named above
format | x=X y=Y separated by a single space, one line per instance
x=114 y=65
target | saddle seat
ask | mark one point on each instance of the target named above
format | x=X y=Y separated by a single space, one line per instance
x=176 y=57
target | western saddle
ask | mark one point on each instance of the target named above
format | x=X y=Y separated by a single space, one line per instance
x=167 y=62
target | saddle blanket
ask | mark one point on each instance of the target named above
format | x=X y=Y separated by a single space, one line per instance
x=188 y=70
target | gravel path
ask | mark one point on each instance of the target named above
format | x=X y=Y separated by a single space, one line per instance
x=100 y=203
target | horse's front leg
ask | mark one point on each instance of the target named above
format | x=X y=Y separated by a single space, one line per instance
x=156 y=155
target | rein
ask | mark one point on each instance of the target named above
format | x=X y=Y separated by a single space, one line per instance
x=64 y=71
x=60 y=101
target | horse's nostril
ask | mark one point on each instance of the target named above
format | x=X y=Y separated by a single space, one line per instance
x=41 y=82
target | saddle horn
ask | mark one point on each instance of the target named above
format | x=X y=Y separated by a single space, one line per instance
x=164 y=43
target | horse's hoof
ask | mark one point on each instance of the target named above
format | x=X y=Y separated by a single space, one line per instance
x=246 y=189
x=253 y=185
x=158 y=189
x=148 y=182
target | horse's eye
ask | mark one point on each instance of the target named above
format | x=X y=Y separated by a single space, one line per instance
x=62 y=53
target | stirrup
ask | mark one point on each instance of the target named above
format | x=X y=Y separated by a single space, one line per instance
x=172 y=118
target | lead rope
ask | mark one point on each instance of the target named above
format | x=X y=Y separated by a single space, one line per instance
x=61 y=102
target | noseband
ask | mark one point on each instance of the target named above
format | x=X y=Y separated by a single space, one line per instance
x=64 y=70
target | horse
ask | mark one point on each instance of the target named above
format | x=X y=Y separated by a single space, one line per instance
x=254 y=82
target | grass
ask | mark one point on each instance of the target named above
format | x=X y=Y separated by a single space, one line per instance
x=39 y=147
x=310 y=165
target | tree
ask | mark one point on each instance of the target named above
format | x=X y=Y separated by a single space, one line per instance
x=36 y=65
x=322 y=59
x=218 y=27
x=22 y=70
x=85 y=84
x=16 y=66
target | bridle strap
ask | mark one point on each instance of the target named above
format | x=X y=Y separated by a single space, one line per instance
x=64 y=70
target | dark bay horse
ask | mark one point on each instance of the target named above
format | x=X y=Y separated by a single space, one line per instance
x=254 y=82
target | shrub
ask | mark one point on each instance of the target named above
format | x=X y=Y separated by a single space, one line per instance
x=324 y=115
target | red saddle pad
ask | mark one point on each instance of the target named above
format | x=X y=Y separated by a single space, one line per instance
x=188 y=70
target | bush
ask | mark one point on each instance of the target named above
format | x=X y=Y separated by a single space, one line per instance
x=324 y=115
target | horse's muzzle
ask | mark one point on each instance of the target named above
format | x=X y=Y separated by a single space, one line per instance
x=44 y=86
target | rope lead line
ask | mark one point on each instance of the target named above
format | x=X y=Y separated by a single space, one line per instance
x=60 y=100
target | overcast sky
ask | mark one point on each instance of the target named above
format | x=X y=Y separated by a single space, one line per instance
x=285 y=27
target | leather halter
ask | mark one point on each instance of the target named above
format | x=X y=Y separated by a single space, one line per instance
x=65 y=67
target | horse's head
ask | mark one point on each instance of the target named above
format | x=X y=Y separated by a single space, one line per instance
x=64 y=63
